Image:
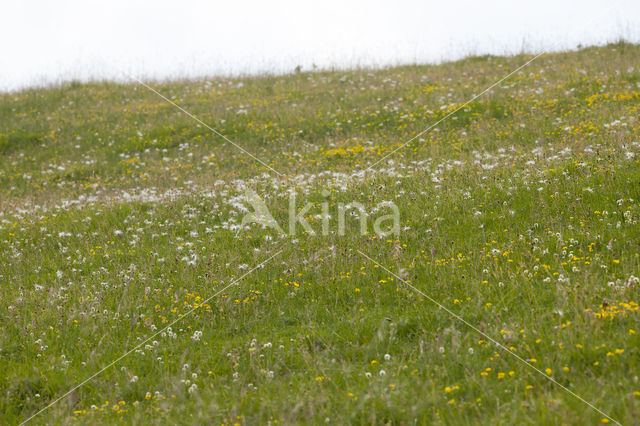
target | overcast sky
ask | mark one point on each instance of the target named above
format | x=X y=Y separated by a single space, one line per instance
x=45 y=41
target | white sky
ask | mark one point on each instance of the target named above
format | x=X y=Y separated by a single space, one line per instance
x=42 y=41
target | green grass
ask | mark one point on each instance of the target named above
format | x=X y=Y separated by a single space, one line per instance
x=119 y=215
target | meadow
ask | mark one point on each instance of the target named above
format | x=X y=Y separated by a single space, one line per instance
x=120 y=233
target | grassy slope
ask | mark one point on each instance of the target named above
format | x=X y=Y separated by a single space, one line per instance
x=118 y=215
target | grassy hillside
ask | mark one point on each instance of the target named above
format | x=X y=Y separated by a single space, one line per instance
x=120 y=216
